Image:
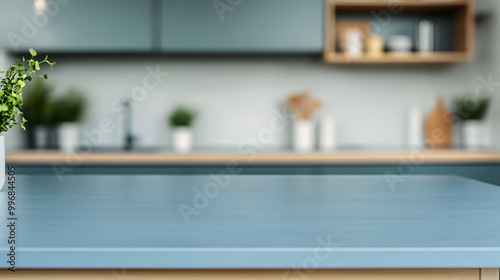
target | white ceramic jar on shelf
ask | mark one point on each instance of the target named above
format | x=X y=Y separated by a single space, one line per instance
x=303 y=135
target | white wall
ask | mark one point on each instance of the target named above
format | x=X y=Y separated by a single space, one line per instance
x=235 y=97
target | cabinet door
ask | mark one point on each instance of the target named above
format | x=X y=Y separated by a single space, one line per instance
x=76 y=25
x=294 y=26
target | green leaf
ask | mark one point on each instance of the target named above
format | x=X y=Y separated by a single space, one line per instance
x=31 y=64
x=37 y=65
x=1 y=93
x=3 y=107
x=33 y=52
x=46 y=76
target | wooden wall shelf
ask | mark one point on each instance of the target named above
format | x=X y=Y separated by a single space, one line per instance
x=388 y=58
x=407 y=4
x=461 y=29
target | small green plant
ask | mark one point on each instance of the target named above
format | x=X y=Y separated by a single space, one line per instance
x=68 y=107
x=11 y=90
x=37 y=103
x=182 y=117
x=471 y=107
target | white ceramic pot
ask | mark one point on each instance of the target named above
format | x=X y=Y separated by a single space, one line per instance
x=69 y=136
x=2 y=162
x=475 y=134
x=182 y=140
x=303 y=136
x=41 y=137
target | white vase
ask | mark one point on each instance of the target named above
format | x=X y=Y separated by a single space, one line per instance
x=303 y=136
x=182 y=140
x=69 y=136
x=2 y=162
x=415 y=128
x=41 y=137
x=327 y=134
x=475 y=134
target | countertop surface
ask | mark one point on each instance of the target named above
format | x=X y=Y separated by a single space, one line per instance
x=251 y=157
x=252 y=221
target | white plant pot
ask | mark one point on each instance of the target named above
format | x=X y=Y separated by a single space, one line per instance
x=303 y=136
x=69 y=136
x=475 y=134
x=41 y=137
x=182 y=140
x=2 y=162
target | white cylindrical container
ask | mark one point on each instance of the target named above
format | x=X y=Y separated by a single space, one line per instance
x=69 y=136
x=415 y=124
x=41 y=137
x=182 y=140
x=303 y=136
x=2 y=162
x=327 y=134
x=475 y=134
x=425 y=36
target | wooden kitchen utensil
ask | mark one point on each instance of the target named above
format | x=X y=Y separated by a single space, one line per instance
x=438 y=127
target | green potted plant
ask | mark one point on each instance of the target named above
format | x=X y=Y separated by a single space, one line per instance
x=69 y=109
x=181 y=121
x=11 y=98
x=471 y=110
x=37 y=110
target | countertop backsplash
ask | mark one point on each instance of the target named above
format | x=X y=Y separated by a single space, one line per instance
x=237 y=97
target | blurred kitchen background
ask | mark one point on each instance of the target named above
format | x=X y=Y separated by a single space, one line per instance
x=223 y=71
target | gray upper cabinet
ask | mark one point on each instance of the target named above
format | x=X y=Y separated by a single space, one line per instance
x=77 y=25
x=242 y=26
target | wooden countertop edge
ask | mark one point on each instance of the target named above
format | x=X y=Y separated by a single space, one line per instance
x=415 y=158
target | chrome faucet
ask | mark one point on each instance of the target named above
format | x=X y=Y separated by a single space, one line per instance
x=127 y=124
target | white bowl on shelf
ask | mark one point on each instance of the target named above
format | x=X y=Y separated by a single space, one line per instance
x=400 y=44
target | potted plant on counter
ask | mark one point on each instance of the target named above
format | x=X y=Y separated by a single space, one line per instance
x=181 y=121
x=69 y=109
x=471 y=111
x=37 y=110
x=11 y=99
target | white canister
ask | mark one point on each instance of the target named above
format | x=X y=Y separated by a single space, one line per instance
x=327 y=134
x=425 y=36
x=2 y=162
x=303 y=136
x=69 y=136
x=182 y=140
x=415 y=136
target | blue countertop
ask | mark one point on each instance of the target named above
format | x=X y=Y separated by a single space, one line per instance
x=254 y=221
